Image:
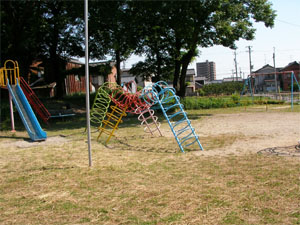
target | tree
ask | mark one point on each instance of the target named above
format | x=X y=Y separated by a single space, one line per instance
x=220 y=22
x=152 y=42
x=168 y=33
x=47 y=30
x=111 y=31
x=20 y=23
x=203 y=23
x=62 y=37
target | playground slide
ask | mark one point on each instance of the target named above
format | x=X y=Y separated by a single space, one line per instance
x=34 y=101
x=29 y=119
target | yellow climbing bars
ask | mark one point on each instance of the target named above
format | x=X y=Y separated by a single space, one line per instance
x=113 y=119
x=9 y=71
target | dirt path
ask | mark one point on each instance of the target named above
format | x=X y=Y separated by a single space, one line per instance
x=252 y=131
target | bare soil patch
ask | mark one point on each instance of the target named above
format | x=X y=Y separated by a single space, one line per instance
x=27 y=143
x=251 y=131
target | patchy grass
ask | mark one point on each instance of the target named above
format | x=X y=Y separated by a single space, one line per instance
x=249 y=108
x=138 y=179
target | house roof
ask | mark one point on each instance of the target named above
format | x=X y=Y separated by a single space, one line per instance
x=229 y=79
x=126 y=73
x=190 y=72
x=76 y=61
x=291 y=64
x=200 y=78
x=264 y=68
x=267 y=69
x=197 y=85
x=111 y=63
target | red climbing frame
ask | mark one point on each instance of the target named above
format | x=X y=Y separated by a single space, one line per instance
x=36 y=104
x=124 y=99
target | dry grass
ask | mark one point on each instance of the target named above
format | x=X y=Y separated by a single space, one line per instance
x=138 y=179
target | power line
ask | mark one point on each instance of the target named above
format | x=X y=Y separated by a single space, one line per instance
x=292 y=24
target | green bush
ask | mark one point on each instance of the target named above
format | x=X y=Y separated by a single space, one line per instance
x=207 y=103
x=235 y=98
x=201 y=92
x=226 y=88
x=272 y=101
x=245 y=102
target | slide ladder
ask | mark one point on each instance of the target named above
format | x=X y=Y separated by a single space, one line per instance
x=34 y=101
x=148 y=120
x=113 y=119
x=174 y=113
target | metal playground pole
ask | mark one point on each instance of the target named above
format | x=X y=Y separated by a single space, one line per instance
x=87 y=82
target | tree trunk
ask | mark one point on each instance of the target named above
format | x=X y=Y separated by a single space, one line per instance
x=53 y=74
x=182 y=87
x=177 y=64
x=186 y=59
x=176 y=74
x=54 y=64
x=118 y=65
x=158 y=64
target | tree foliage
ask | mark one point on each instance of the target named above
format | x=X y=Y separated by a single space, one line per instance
x=168 y=34
x=111 y=31
x=20 y=32
x=177 y=29
x=46 y=30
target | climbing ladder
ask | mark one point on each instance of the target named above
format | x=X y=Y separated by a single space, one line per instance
x=148 y=120
x=113 y=119
x=100 y=107
x=174 y=113
x=34 y=101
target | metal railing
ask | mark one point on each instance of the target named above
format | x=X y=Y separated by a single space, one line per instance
x=10 y=72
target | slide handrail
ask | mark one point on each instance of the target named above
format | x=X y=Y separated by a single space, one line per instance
x=27 y=115
x=35 y=101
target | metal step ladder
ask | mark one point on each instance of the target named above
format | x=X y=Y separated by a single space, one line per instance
x=174 y=113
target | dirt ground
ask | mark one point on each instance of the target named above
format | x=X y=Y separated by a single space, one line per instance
x=239 y=134
x=252 y=131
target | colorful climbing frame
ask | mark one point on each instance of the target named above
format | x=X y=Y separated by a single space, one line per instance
x=100 y=106
x=112 y=121
x=174 y=113
x=148 y=120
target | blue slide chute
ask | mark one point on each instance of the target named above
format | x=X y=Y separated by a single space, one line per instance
x=29 y=119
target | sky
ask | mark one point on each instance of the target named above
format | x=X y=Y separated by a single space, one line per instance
x=284 y=37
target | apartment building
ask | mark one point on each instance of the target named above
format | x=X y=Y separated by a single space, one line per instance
x=206 y=69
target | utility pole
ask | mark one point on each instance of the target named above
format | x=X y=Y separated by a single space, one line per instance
x=275 y=76
x=235 y=62
x=250 y=64
x=241 y=72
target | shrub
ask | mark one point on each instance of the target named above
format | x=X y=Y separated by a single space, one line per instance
x=207 y=103
x=226 y=88
x=201 y=92
x=235 y=98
